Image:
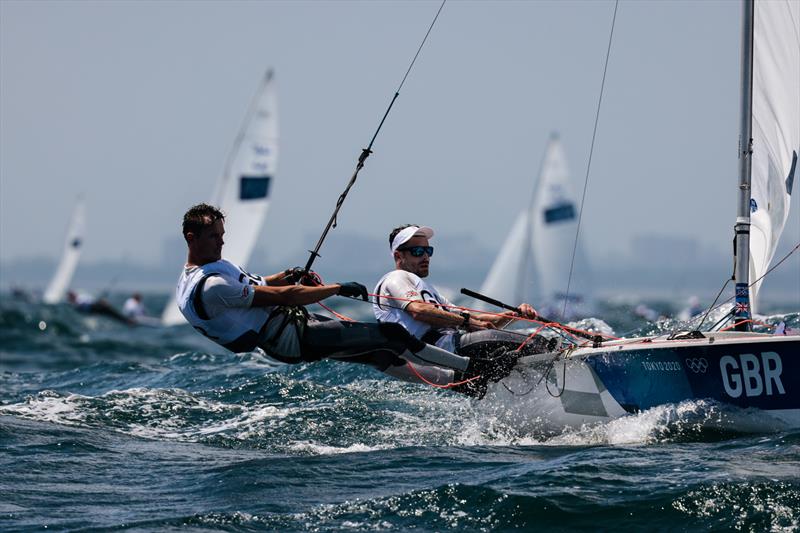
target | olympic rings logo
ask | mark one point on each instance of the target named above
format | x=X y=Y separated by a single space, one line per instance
x=697 y=365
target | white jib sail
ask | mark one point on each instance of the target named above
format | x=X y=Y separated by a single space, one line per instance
x=510 y=274
x=244 y=189
x=73 y=245
x=776 y=128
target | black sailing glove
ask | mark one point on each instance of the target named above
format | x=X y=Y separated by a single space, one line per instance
x=299 y=274
x=353 y=289
x=293 y=275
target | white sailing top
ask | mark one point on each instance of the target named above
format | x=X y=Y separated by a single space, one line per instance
x=133 y=308
x=227 y=296
x=410 y=287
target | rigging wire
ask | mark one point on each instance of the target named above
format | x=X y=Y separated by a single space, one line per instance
x=713 y=304
x=368 y=150
x=589 y=164
x=776 y=265
x=715 y=307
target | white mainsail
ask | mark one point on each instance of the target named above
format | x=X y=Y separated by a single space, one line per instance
x=534 y=262
x=243 y=191
x=73 y=245
x=776 y=128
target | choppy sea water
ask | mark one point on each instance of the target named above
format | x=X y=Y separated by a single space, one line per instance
x=103 y=426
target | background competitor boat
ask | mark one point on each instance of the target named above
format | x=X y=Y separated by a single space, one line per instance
x=733 y=370
x=73 y=245
x=534 y=262
x=243 y=190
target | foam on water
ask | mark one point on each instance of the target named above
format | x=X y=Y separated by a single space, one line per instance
x=171 y=414
x=404 y=416
x=772 y=506
x=312 y=448
x=691 y=420
x=593 y=325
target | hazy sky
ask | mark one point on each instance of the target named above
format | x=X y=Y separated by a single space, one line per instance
x=136 y=105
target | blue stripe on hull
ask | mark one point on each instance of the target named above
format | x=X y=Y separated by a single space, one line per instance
x=763 y=375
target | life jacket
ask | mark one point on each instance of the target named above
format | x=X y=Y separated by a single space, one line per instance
x=238 y=328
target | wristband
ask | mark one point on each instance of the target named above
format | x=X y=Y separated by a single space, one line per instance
x=465 y=323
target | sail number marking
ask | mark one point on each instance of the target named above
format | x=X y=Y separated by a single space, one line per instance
x=747 y=374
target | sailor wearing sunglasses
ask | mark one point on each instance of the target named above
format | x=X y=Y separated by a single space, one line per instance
x=404 y=297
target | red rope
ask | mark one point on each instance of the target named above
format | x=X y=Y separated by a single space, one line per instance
x=334 y=313
x=745 y=321
x=554 y=325
x=532 y=335
x=542 y=325
x=316 y=279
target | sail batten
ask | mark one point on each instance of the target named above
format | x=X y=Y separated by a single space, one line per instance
x=243 y=191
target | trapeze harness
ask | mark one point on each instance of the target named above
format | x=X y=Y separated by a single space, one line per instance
x=277 y=330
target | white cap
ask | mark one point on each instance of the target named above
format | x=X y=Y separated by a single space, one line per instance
x=406 y=234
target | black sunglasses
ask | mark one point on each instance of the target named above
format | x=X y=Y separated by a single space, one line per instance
x=417 y=251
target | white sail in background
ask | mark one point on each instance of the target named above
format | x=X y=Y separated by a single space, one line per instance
x=554 y=225
x=534 y=263
x=73 y=245
x=510 y=277
x=776 y=128
x=243 y=191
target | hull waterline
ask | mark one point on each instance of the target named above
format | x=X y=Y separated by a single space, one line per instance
x=741 y=373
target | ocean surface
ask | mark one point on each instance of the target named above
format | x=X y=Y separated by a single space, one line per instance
x=108 y=427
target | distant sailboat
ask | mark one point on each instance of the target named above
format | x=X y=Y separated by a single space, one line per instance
x=243 y=190
x=757 y=373
x=534 y=262
x=73 y=245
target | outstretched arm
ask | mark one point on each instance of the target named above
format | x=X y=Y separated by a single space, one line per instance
x=270 y=295
x=430 y=314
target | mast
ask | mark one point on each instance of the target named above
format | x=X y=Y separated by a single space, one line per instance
x=741 y=248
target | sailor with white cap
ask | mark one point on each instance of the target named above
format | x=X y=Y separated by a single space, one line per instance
x=404 y=297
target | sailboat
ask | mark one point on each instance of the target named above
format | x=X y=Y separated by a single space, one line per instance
x=739 y=372
x=534 y=262
x=243 y=191
x=73 y=245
